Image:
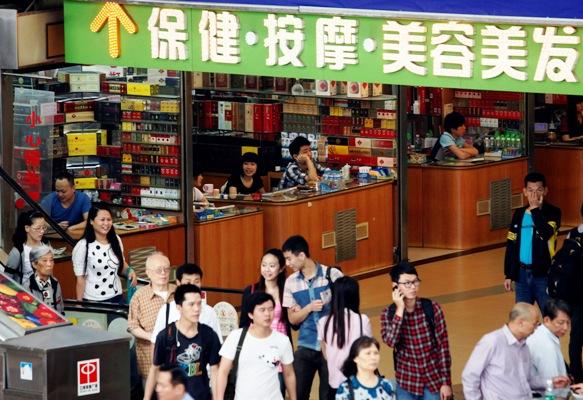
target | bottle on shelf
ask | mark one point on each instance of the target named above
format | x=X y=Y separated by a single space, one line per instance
x=487 y=144
x=418 y=143
x=550 y=391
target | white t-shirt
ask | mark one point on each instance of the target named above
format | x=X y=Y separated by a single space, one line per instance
x=207 y=317
x=257 y=377
x=27 y=270
x=101 y=280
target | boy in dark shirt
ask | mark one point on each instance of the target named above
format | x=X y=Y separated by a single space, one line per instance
x=189 y=344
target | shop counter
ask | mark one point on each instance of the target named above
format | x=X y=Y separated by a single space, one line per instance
x=229 y=248
x=449 y=202
x=169 y=239
x=562 y=165
x=314 y=216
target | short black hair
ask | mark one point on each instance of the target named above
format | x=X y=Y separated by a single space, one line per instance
x=535 y=177
x=182 y=290
x=178 y=375
x=364 y=342
x=257 y=298
x=196 y=172
x=296 y=244
x=403 y=267
x=553 y=306
x=453 y=120
x=297 y=144
x=188 y=269
x=65 y=175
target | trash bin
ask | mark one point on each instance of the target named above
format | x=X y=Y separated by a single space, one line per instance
x=66 y=362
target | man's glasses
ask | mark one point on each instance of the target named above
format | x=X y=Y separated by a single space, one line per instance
x=410 y=284
x=161 y=270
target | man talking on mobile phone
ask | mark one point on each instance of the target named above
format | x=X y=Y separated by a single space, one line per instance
x=415 y=328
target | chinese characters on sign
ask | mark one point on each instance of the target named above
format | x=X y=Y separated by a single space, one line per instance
x=451 y=49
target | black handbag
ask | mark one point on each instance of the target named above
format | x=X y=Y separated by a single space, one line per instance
x=232 y=378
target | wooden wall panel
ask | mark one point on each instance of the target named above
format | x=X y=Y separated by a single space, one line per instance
x=449 y=208
x=563 y=168
x=415 y=203
x=312 y=217
x=229 y=250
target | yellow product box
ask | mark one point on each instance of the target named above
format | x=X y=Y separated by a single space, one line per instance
x=85 y=183
x=336 y=149
x=144 y=180
x=81 y=116
x=133 y=105
x=369 y=123
x=142 y=89
x=389 y=124
x=85 y=143
x=170 y=106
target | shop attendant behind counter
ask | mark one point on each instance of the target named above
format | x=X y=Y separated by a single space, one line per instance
x=451 y=143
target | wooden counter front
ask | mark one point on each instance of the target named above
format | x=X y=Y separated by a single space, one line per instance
x=562 y=165
x=229 y=251
x=312 y=217
x=443 y=203
x=170 y=240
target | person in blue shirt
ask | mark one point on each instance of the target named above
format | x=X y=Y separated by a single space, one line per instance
x=67 y=207
x=531 y=243
x=451 y=143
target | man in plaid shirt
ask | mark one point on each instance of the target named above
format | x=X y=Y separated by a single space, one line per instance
x=302 y=170
x=415 y=329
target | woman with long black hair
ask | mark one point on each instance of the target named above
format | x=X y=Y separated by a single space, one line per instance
x=28 y=235
x=339 y=329
x=98 y=260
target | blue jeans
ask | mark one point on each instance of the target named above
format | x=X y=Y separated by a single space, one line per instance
x=402 y=394
x=530 y=288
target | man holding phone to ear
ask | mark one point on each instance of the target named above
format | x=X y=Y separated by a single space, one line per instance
x=415 y=328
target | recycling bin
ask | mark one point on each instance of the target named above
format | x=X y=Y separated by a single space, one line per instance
x=65 y=362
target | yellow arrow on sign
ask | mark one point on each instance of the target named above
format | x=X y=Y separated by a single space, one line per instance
x=113 y=13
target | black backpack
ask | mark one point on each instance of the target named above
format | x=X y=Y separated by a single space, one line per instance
x=566 y=271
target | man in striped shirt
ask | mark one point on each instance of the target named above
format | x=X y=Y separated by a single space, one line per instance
x=415 y=329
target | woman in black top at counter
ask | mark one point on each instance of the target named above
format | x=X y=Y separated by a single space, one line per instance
x=246 y=179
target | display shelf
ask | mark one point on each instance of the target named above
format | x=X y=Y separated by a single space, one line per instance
x=151 y=143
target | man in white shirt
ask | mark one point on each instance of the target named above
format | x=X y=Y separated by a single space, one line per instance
x=545 y=346
x=186 y=274
x=263 y=352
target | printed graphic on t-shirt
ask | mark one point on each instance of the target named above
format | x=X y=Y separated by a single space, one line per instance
x=189 y=360
x=271 y=356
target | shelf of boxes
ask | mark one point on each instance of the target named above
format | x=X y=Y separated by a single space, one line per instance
x=151 y=150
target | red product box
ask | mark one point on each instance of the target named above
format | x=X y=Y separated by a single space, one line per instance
x=258 y=110
x=382 y=143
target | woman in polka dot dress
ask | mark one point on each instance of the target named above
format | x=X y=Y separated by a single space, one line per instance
x=98 y=259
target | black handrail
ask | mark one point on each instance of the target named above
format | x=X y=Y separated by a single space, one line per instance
x=18 y=189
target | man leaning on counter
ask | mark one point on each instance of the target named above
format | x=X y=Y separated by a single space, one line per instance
x=451 y=143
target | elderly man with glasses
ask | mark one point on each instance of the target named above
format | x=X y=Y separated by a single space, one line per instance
x=415 y=328
x=144 y=307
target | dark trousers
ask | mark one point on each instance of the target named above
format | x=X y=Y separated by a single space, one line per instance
x=332 y=393
x=306 y=363
x=576 y=342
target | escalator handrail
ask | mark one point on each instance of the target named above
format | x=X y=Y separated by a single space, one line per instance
x=18 y=189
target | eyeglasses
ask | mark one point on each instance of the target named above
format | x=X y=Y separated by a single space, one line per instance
x=410 y=284
x=161 y=270
x=41 y=228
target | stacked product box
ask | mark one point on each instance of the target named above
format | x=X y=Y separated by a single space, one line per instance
x=288 y=137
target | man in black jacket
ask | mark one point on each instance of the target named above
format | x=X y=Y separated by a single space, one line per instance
x=531 y=243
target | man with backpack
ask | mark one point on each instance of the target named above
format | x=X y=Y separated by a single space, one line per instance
x=531 y=243
x=415 y=328
x=565 y=282
x=189 y=344
x=306 y=295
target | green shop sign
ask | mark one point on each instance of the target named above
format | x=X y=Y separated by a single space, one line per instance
x=456 y=54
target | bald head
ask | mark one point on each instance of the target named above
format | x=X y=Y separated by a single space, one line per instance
x=156 y=259
x=523 y=320
x=158 y=269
